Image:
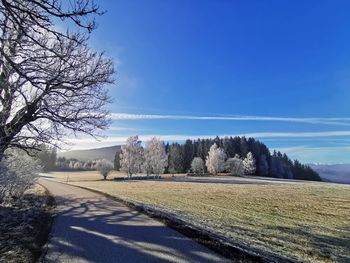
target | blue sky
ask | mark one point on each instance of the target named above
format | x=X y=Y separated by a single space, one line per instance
x=179 y=61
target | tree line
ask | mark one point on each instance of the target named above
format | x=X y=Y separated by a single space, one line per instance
x=238 y=153
x=234 y=155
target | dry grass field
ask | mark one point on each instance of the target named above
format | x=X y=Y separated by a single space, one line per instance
x=304 y=221
x=91 y=176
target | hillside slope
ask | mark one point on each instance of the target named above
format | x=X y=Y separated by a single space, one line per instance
x=92 y=154
x=336 y=173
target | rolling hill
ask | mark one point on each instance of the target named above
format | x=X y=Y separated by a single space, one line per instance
x=92 y=154
x=336 y=173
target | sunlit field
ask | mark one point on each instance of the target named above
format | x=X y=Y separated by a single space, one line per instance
x=305 y=221
x=93 y=176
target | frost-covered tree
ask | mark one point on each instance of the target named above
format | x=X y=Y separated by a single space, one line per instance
x=215 y=159
x=235 y=165
x=104 y=167
x=78 y=166
x=71 y=165
x=197 y=165
x=18 y=173
x=87 y=166
x=155 y=157
x=131 y=157
x=117 y=161
x=52 y=85
x=146 y=166
x=249 y=164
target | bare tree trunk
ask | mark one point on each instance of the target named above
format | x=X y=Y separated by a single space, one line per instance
x=3 y=147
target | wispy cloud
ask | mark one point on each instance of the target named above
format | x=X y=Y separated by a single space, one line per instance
x=300 y=149
x=298 y=134
x=314 y=120
x=113 y=128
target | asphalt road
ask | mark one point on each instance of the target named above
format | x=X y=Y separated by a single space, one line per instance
x=92 y=228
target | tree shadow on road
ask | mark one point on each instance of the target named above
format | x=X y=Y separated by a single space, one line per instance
x=99 y=229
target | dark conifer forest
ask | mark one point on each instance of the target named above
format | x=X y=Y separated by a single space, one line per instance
x=268 y=164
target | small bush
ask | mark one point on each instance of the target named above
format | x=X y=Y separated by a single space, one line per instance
x=18 y=173
x=104 y=167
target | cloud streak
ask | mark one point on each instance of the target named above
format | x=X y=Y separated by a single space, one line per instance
x=316 y=120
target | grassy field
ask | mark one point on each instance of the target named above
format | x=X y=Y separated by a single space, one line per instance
x=92 y=176
x=305 y=221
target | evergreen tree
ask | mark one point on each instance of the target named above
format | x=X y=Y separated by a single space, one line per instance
x=263 y=168
x=189 y=154
x=243 y=146
x=267 y=164
x=175 y=161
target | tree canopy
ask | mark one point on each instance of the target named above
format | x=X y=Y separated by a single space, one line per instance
x=51 y=83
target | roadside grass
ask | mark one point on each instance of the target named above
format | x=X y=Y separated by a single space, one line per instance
x=25 y=226
x=303 y=221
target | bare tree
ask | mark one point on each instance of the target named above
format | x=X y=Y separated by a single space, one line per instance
x=51 y=84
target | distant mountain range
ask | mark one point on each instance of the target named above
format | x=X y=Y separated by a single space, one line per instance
x=336 y=173
x=92 y=154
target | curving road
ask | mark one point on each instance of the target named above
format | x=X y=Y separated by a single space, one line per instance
x=92 y=228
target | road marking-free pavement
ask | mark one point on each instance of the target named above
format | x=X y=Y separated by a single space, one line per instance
x=90 y=227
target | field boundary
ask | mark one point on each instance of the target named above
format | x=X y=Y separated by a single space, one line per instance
x=215 y=242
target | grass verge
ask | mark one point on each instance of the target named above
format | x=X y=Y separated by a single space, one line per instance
x=25 y=226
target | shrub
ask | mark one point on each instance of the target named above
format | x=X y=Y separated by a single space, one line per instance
x=18 y=173
x=197 y=165
x=104 y=167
